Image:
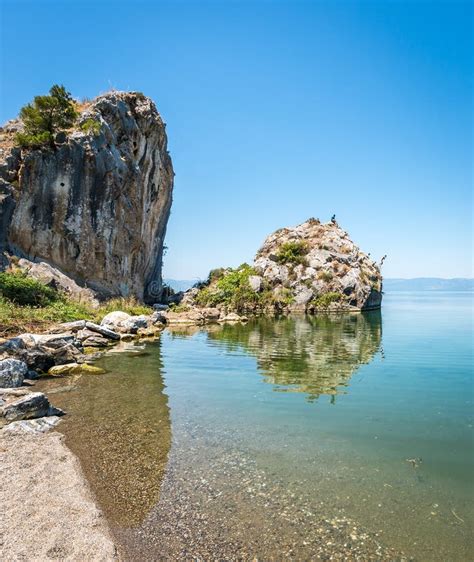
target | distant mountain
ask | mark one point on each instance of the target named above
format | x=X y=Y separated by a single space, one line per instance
x=428 y=284
x=180 y=284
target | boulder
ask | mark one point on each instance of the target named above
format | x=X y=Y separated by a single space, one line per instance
x=54 y=278
x=255 y=282
x=67 y=327
x=74 y=369
x=210 y=314
x=33 y=405
x=124 y=323
x=102 y=330
x=192 y=316
x=158 y=318
x=12 y=373
x=233 y=317
x=39 y=425
x=302 y=296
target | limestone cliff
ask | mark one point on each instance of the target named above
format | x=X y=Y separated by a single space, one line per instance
x=95 y=207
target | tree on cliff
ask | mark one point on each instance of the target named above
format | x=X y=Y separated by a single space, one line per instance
x=45 y=117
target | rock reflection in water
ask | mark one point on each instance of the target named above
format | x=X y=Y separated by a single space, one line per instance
x=314 y=355
x=118 y=424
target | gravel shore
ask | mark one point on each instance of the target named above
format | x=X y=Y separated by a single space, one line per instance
x=48 y=512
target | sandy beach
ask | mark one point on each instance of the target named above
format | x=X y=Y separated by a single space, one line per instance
x=48 y=512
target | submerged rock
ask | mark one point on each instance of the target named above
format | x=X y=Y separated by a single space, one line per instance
x=95 y=209
x=74 y=369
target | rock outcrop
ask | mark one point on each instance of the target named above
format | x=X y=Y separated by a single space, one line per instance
x=96 y=207
x=310 y=268
x=317 y=265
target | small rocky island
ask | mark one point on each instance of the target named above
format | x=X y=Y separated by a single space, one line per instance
x=311 y=268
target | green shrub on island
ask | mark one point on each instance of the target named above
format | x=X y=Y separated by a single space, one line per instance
x=325 y=275
x=230 y=288
x=293 y=252
x=325 y=300
x=46 y=116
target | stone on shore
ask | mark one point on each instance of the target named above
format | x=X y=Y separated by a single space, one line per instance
x=32 y=405
x=39 y=425
x=102 y=330
x=124 y=323
x=12 y=373
x=40 y=352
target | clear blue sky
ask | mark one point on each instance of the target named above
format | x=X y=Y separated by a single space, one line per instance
x=278 y=111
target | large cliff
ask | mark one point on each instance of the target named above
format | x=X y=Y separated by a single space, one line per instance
x=96 y=206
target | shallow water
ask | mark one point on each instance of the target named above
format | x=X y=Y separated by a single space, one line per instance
x=344 y=435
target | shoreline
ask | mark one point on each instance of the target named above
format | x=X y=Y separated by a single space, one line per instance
x=49 y=510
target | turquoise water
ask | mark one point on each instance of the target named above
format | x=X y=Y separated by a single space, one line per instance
x=359 y=422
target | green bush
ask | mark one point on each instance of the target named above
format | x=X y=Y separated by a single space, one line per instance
x=292 y=252
x=231 y=289
x=282 y=298
x=323 y=301
x=46 y=116
x=91 y=127
x=25 y=291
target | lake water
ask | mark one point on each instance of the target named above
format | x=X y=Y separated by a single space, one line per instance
x=346 y=436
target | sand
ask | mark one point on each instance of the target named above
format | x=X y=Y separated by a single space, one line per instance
x=47 y=509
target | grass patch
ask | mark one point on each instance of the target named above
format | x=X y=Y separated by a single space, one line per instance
x=293 y=252
x=325 y=275
x=325 y=300
x=26 y=305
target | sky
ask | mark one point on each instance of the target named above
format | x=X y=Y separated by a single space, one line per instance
x=277 y=112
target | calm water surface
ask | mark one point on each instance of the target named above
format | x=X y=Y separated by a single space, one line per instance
x=288 y=438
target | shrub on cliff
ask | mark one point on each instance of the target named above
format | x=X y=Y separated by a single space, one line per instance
x=45 y=117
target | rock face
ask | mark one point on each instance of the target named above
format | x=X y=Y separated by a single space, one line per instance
x=317 y=265
x=96 y=207
x=310 y=268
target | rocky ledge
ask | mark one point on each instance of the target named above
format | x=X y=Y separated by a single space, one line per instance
x=313 y=267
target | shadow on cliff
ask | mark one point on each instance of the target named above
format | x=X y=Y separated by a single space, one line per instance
x=119 y=426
